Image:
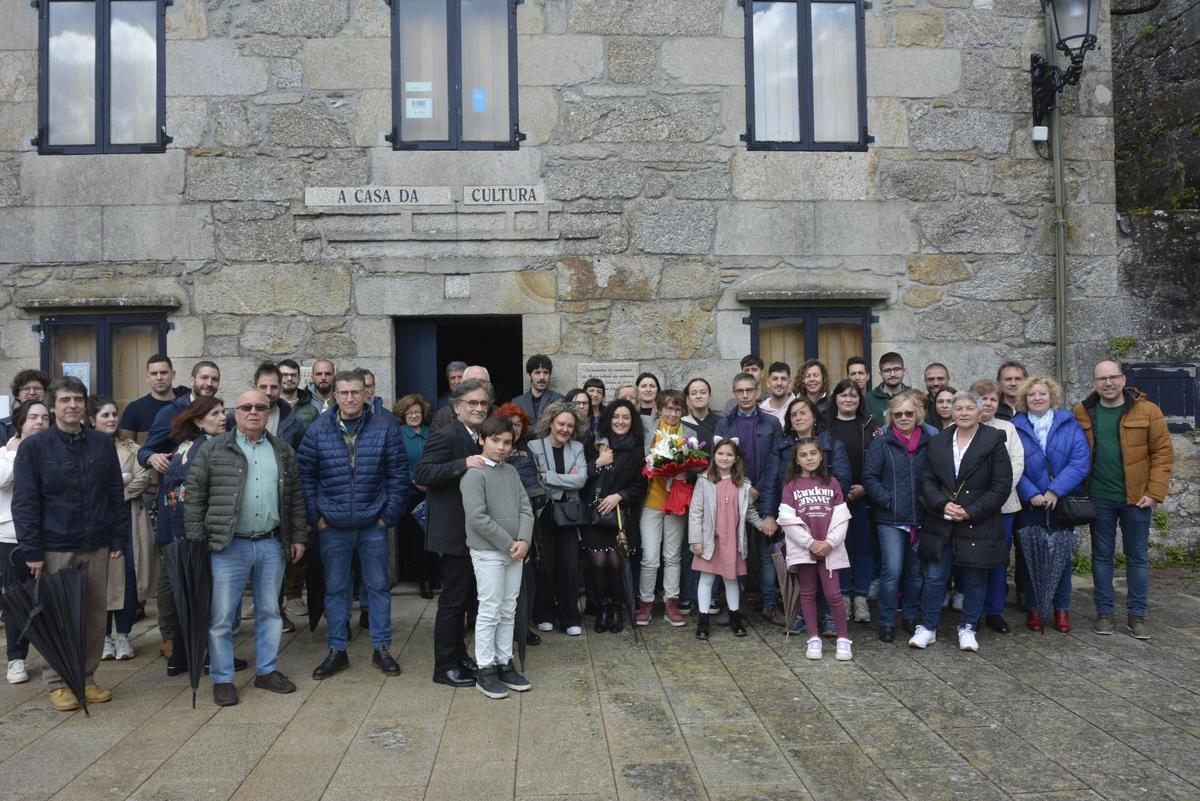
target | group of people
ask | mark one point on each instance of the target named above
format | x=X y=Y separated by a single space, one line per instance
x=850 y=492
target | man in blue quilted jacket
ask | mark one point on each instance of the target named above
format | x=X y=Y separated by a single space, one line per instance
x=355 y=475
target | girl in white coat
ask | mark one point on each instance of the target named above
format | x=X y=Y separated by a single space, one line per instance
x=814 y=518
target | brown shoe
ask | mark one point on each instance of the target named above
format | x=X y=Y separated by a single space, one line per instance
x=643 y=613
x=275 y=682
x=96 y=695
x=63 y=700
x=673 y=616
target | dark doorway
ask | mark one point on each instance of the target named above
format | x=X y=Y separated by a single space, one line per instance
x=425 y=345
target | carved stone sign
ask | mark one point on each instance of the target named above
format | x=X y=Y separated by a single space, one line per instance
x=503 y=195
x=326 y=196
x=613 y=374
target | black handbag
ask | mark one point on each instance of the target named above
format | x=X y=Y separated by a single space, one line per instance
x=1073 y=510
x=569 y=512
x=606 y=521
x=931 y=540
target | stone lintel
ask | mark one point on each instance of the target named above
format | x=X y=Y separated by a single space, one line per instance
x=813 y=295
x=51 y=303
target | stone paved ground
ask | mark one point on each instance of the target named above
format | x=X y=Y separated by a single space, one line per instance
x=1032 y=717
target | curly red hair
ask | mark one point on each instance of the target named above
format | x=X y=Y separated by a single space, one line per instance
x=513 y=410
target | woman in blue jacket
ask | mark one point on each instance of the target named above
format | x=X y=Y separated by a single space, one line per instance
x=891 y=477
x=1057 y=463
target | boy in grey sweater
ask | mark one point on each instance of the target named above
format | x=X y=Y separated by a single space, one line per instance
x=499 y=528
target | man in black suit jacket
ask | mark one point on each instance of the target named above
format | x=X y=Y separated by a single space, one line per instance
x=449 y=453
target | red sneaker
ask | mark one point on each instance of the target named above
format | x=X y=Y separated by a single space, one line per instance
x=643 y=613
x=1062 y=621
x=673 y=616
x=1033 y=621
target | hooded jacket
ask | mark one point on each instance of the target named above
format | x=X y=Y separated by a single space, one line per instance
x=1146 y=451
x=878 y=400
x=799 y=538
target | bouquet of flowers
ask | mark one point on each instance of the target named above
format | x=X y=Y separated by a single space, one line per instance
x=671 y=456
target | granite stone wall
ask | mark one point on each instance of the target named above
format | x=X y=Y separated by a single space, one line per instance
x=659 y=224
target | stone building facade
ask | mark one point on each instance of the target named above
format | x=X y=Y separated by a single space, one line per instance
x=660 y=232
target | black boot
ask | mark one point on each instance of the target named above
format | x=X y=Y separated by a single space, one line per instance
x=735 y=623
x=702 y=627
x=603 y=618
x=616 y=621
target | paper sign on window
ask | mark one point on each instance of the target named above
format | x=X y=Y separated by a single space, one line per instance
x=418 y=108
x=479 y=101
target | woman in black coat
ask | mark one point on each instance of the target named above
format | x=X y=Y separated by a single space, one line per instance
x=615 y=481
x=966 y=480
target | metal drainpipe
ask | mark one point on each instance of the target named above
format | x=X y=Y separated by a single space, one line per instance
x=1060 y=230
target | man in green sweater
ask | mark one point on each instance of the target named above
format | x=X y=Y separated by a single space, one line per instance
x=499 y=523
x=891 y=383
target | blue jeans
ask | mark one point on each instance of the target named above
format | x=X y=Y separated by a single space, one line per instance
x=1062 y=589
x=1135 y=542
x=337 y=548
x=933 y=596
x=901 y=569
x=860 y=551
x=997 y=586
x=261 y=562
x=766 y=568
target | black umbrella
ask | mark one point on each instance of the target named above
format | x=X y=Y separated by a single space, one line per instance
x=627 y=570
x=1047 y=552
x=191 y=584
x=314 y=580
x=521 y=622
x=50 y=613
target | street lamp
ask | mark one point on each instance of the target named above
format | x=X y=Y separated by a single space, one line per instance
x=1074 y=31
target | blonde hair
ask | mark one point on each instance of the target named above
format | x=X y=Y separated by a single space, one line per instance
x=903 y=398
x=552 y=411
x=1051 y=386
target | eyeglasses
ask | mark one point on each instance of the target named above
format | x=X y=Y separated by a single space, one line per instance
x=350 y=393
x=33 y=388
x=891 y=370
x=745 y=390
x=904 y=415
x=475 y=404
x=1107 y=379
x=256 y=407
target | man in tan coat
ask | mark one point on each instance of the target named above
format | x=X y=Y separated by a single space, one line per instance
x=1132 y=459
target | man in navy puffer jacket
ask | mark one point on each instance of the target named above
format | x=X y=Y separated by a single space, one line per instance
x=355 y=475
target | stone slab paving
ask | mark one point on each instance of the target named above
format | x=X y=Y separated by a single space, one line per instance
x=1031 y=718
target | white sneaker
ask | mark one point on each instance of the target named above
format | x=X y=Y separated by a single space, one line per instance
x=247 y=608
x=862 y=612
x=122 y=647
x=295 y=607
x=844 y=652
x=873 y=592
x=110 y=649
x=574 y=631
x=16 y=672
x=922 y=638
x=967 y=641
x=545 y=627
x=956 y=602
x=814 y=648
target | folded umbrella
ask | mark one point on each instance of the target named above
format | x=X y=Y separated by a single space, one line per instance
x=521 y=622
x=1047 y=552
x=789 y=590
x=627 y=574
x=50 y=612
x=191 y=583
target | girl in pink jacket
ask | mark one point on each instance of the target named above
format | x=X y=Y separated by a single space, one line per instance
x=814 y=519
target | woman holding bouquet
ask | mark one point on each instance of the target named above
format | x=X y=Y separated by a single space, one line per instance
x=662 y=532
x=558 y=453
x=617 y=487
